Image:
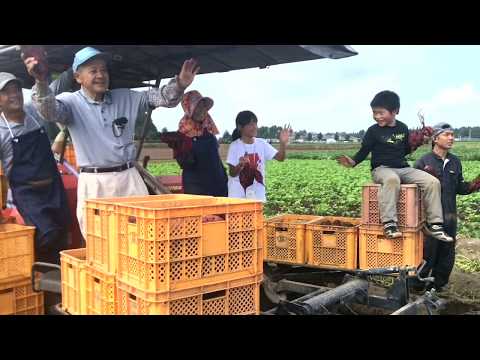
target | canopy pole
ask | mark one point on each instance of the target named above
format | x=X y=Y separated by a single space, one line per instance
x=146 y=125
x=152 y=183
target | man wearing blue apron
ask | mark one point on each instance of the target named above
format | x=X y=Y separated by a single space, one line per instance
x=28 y=162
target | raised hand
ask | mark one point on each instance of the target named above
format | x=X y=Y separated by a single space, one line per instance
x=35 y=60
x=346 y=161
x=417 y=138
x=475 y=185
x=190 y=68
x=427 y=131
x=285 y=134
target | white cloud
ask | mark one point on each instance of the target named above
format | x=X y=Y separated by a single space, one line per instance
x=295 y=95
x=456 y=105
x=456 y=96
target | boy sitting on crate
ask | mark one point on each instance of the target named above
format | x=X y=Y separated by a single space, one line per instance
x=389 y=141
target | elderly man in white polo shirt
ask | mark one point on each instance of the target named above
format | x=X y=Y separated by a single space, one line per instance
x=102 y=122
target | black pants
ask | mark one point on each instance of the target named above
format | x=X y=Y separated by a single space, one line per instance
x=440 y=258
x=51 y=254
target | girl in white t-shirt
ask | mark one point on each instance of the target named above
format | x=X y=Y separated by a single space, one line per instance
x=247 y=156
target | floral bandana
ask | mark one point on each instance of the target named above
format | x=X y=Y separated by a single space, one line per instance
x=187 y=125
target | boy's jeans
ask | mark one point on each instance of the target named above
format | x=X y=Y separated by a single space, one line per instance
x=391 y=178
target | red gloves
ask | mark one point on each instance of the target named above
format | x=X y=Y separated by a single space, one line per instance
x=39 y=54
x=430 y=170
x=474 y=185
x=417 y=138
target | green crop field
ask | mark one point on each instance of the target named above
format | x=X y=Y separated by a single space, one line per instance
x=311 y=182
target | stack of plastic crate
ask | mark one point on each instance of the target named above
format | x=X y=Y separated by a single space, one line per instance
x=179 y=254
x=16 y=258
x=73 y=271
x=375 y=250
x=99 y=288
x=88 y=274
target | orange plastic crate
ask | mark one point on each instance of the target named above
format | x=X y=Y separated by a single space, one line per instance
x=376 y=251
x=18 y=298
x=101 y=224
x=166 y=246
x=285 y=238
x=16 y=251
x=236 y=297
x=332 y=246
x=73 y=270
x=410 y=209
x=101 y=292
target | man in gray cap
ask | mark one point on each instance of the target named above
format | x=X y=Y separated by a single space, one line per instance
x=27 y=160
x=440 y=256
x=101 y=123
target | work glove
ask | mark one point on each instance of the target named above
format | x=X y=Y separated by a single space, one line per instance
x=475 y=185
x=419 y=137
x=429 y=169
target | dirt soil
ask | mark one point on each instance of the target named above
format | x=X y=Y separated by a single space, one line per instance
x=463 y=291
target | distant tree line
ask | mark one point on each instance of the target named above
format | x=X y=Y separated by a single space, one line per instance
x=272 y=132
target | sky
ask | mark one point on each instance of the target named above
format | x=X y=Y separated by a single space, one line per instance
x=334 y=95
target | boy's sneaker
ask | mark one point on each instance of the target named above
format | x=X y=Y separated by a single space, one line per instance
x=436 y=231
x=391 y=231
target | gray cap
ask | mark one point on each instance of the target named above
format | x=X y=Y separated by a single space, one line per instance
x=5 y=78
x=441 y=128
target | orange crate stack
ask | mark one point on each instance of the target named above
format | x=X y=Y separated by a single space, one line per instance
x=235 y=297
x=168 y=246
x=377 y=251
x=73 y=272
x=18 y=298
x=158 y=250
x=102 y=222
x=410 y=209
x=332 y=242
x=16 y=251
x=285 y=238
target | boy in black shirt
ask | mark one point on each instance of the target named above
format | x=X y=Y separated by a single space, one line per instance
x=388 y=141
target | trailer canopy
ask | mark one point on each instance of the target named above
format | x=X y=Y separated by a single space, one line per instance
x=137 y=65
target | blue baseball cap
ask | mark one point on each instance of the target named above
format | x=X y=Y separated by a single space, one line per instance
x=86 y=54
